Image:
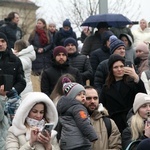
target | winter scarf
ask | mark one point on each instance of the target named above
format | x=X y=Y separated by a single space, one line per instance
x=42 y=35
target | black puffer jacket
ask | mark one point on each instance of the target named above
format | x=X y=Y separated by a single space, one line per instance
x=82 y=63
x=101 y=75
x=11 y=65
x=51 y=75
x=12 y=31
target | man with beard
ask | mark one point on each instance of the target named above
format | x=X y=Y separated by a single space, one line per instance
x=109 y=135
x=59 y=67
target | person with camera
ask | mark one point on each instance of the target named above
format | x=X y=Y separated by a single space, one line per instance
x=119 y=90
x=26 y=132
x=139 y=125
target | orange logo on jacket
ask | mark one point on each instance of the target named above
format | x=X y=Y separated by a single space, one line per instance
x=83 y=115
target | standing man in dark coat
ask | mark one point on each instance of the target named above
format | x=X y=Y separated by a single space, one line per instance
x=64 y=32
x=94 y=42
x=77 y=60
x=11 y=29
x=100 y=54
x=10 y=65
x=59 y=67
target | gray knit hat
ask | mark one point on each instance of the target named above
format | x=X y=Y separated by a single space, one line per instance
x=72 y=89
x=140 y=99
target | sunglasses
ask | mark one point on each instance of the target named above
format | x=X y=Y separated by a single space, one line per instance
x=94 y=97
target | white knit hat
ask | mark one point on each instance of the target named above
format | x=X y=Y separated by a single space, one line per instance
x=140 y=99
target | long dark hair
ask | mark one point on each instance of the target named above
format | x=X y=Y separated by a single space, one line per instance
x=111 y=78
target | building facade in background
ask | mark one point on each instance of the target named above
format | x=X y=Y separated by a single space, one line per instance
x=26 y=10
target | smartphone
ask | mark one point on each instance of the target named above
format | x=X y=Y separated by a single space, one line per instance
x=7 y=81
x=128 y=64
x=47 y=127
x=148 y=118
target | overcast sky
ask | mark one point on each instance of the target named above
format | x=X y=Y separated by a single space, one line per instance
x=49 y=9
x=54 y=5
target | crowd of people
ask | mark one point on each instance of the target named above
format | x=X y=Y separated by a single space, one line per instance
x=93 y=97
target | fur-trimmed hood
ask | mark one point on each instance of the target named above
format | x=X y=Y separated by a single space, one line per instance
x=28 y=101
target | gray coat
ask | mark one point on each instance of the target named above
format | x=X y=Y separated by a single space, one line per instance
x=76 y=128
x=4 y=125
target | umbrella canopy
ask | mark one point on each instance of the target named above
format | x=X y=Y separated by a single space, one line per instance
x=112 y=20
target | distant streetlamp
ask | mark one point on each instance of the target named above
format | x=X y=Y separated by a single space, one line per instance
x=103 y=6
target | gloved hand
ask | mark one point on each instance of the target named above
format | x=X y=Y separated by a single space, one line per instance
x=12 y=94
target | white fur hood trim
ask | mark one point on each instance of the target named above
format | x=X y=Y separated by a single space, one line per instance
x=28 y=101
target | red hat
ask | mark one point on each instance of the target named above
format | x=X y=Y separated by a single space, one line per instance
x=59 y=49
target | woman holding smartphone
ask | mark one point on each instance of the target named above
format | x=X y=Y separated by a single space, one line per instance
x=34 y=112
x=139 y=126
x=121 y=86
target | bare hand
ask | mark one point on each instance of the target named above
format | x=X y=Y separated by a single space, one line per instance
x=2 y=92
x=34 y=135
x=131 y=72
x=147 y=129
x=45 y=139
x=40 y=50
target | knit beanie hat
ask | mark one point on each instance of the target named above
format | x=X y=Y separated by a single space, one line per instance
x=3 y=36
x=115 y=43
x=144 y=144
x=140 y=99
x=71 y=89
x=143 y=47
x=70 y=40
x=114 y=58
x=66 y=23
x=105 y=36
x=59 y=49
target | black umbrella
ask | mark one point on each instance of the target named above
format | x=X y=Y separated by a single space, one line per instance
x=112 y=20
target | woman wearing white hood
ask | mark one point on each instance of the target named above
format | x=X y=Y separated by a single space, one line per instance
x=27 y=55
x=25 y=133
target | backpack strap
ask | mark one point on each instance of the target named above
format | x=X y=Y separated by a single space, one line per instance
x=147 y=72
x=108 y=125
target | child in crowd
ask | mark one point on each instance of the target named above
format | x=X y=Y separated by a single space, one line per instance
x=77 y=132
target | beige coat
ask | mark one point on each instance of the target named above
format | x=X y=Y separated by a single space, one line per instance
x=103 y=143
x=20 y=143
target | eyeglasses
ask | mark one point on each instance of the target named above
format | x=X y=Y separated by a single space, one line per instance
x=94 y=97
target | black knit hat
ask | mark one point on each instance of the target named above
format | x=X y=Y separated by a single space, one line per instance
x=70 y=40
x=3 y=36
x=59 y=49
x=66 y=23
x=115 y=43
x=114 y=58
x=105 y=36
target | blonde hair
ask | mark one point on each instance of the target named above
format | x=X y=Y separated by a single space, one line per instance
x=137 y=126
